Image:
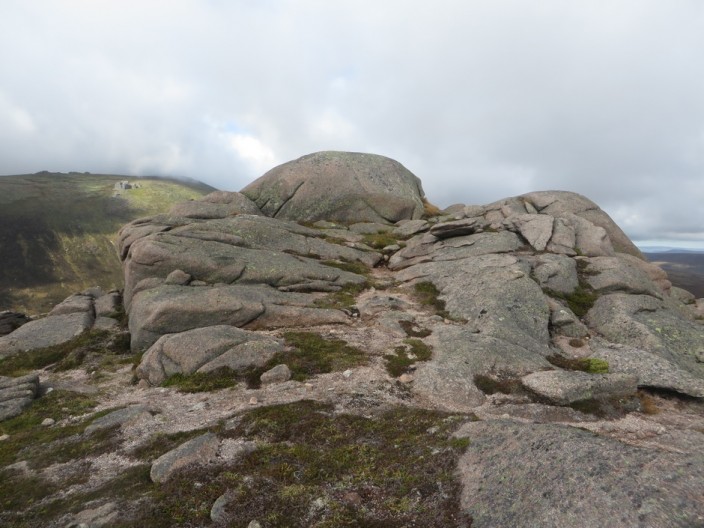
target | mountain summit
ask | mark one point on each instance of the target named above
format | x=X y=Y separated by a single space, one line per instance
x=326 y=349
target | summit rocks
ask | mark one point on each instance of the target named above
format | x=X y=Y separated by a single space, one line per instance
x=339 y=186
x=520 y=323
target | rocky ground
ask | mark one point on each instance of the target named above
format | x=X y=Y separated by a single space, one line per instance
x=514 y=364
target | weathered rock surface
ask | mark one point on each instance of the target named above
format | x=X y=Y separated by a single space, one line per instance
x=525 y=475
x=646 y=323
x=339 y=186
x=49 y=331
x=198 y=451
x=652 y=370
x=118 y=417
x=16 y=394
x=174 y=309
x=218 y=204
x=563 y=387
x=68 y=319
x=206 y=349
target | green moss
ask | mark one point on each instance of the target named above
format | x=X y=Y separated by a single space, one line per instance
x=427 y=294
x=580 y=301
x=404 y=357
x=312 y=354
x=399 y=464
x=591 y=365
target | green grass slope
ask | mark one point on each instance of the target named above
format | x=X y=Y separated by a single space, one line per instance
x=57 y=231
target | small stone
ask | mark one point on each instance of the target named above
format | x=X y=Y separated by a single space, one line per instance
x=217 y=512
x=405 y=378
x=46 y=422
x=4 y=437
x=278 y=374
x=308 y=386
x=254 y=524
x=347 y=373
x=253 y=400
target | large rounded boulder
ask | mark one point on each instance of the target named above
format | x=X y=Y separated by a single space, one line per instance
x=339 y=186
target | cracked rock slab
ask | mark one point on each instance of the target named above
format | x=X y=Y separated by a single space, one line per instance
x=563 y=387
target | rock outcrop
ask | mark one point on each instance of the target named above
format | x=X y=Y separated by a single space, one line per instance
x=68 y=319
x=16 y=394
x=339 y=186
x=528 y=320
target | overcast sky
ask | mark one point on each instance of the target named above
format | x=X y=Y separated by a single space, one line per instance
x=482 y=99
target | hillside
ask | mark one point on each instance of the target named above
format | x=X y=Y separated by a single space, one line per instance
x=686 y=270
x=57 y=231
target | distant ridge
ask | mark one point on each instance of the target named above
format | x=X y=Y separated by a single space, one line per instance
x=57 y=231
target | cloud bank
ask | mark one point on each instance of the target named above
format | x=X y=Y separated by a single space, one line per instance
x=480 y=99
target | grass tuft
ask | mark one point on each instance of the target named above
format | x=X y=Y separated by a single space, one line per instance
x=406 y=356
x=380 y=240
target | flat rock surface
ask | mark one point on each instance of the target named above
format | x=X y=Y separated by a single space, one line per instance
x=563 y=387
x=527 y=475
x=45 y=332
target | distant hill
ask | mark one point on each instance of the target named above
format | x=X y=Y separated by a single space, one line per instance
x=685 y=269
x=57 y=231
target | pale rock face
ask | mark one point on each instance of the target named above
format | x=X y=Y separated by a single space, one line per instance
x=205 y=349
x=339 y=186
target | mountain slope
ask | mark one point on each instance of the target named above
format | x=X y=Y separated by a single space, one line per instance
x=57 y=231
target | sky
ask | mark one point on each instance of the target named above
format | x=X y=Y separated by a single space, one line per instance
x=481 y=99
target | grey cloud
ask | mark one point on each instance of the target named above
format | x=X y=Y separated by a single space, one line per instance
x=481 y=99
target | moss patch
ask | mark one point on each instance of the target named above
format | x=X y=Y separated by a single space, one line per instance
x=582 y=299
x=319 y=469
x=404 y=357
x=427 y=294
x=221 y=378
x=590 y=365
x=312 y=354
